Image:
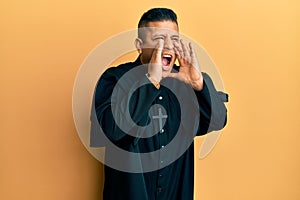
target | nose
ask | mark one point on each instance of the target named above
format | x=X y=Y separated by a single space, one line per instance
x=168 y=44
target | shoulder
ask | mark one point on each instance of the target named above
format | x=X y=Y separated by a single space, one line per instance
x=118 y=71
x=109 y=79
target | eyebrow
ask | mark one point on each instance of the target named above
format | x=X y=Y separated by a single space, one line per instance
x=159 y=34
x=164 y=35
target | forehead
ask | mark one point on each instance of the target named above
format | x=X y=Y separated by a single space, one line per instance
x=162 y=27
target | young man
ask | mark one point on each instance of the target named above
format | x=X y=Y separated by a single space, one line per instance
x=153 y=109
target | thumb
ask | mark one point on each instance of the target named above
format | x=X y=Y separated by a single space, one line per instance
x=173 y=75
x=177 y=76
x=158 y=48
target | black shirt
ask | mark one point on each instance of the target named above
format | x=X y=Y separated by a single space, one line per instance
x=139 y=118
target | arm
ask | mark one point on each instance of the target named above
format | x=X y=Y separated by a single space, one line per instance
x=114 y=101
x=213 y=113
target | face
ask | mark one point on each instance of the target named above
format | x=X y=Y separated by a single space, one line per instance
x=160 y=30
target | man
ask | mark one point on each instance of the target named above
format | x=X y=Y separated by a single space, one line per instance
x=153 y=109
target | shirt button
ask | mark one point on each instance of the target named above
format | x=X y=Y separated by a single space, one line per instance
x=161 y=162
x=160 y=97
x=159 y=189
x=162 y=146
x=160 y=175
x=162 y=130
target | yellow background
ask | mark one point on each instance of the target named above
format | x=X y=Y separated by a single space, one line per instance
x=255 y=45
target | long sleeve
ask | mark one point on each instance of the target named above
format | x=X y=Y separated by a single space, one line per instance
x=213 y=113
x=158 y=161
x=122 y=105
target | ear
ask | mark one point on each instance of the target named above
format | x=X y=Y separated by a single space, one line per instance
x=138 y=45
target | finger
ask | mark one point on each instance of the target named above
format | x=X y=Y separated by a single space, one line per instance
x=159 y=47
x=178 y=50
x=192 y=51
x=185 y=50
x=194 y=57
x=156 y=55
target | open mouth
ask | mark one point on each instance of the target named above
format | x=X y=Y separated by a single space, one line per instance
x=166 y=59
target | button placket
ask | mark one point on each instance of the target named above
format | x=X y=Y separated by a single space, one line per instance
x=161 y=179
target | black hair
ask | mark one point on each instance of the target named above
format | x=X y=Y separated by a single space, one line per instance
x=154 y=15
x=157 y=14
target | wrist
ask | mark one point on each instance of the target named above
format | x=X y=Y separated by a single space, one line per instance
x=156 y=76
x=197 y=85
x=153 y=81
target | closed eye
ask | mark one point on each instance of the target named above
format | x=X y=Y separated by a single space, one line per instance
x=175 y=38
x=158 y=38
